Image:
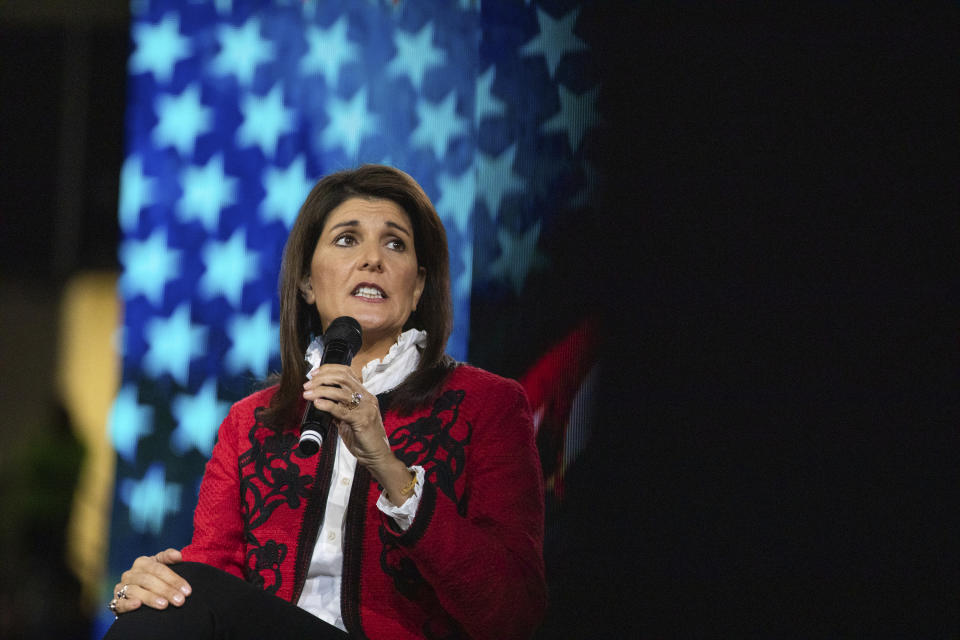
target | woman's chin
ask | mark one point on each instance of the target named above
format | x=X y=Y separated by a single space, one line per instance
x=376 y=325
x=376 y=332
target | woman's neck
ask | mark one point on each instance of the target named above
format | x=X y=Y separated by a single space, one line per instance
x=372 y=349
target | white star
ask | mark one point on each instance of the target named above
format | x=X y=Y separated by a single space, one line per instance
x=457 y=197
x=264 y=120
x=437 y=124
x=229 y=267
x=197 y=417
x=207 y=190
x=254 y=340
x=555 y=40
x=150 y=499
x=148 y=265
x=329 y=51
x=577 y=114
x=137 y=190
x=129 y=421
x=349 y=122
x=182 y=119
x=241 y=51
x=286 y=190
x=487 y=104
x=172 y=343
x=465 y=279
x=496 y=178
x=518 y=255
x=159 y=47
x=415 y=55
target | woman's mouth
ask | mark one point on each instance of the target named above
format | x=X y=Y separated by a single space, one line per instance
x=369 y=292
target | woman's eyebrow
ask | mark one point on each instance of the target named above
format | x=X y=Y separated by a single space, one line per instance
x=397 y=227
x=345 y=223
x=354 y=223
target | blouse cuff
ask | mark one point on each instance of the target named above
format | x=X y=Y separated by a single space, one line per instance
x=404 y=514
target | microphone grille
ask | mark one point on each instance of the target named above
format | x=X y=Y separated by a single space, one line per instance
x=346 y=329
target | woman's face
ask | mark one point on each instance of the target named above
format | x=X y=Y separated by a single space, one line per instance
x=365 y=266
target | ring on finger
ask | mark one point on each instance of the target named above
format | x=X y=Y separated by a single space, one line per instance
x=122 y=593
x=354 y=401
x=112 y=605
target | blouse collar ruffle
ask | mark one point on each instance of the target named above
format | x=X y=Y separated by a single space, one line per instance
x=382 y=374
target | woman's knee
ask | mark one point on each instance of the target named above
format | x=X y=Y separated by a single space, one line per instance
x=197 y=572
x=190 y=620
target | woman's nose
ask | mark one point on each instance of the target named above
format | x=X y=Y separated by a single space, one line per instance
x=371 y=259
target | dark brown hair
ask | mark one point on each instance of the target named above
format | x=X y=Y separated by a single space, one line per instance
x=298 y=319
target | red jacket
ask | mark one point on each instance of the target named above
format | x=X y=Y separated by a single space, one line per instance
x=471 y=565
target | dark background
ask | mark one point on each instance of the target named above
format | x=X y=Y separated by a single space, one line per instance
x=777 y=429
x=776 y=441
x=62 y=75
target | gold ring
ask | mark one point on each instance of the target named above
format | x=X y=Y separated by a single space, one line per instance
x=354 y=401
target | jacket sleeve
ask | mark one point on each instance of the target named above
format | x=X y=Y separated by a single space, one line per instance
x=487 y=567
x=217 y=527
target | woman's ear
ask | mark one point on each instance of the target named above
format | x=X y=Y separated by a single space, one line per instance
x=306 y=290
x=421 y=284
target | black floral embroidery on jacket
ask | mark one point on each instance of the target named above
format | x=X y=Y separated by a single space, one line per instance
x=436 y=442
x=431 y=443
x=269 y=477
x=262 y=560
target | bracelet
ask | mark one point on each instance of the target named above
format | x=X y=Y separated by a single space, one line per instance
x=407 y=490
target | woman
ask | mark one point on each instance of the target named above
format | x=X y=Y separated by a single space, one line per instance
x=422 y=514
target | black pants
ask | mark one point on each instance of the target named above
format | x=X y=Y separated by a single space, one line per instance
x=221 y=607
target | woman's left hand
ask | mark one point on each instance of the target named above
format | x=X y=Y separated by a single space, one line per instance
x=334 y=388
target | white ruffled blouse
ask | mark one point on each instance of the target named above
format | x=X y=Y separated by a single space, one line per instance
x=321 y=591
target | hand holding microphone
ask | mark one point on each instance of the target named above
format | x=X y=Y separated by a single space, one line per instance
x=342 y=339
x=357 y=413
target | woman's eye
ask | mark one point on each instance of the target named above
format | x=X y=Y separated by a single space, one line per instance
x=344 y=240
x=396 y=244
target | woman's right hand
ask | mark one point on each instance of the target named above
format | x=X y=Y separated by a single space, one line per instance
x=151 y=582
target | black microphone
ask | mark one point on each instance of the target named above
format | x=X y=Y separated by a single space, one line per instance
x=341 y=341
